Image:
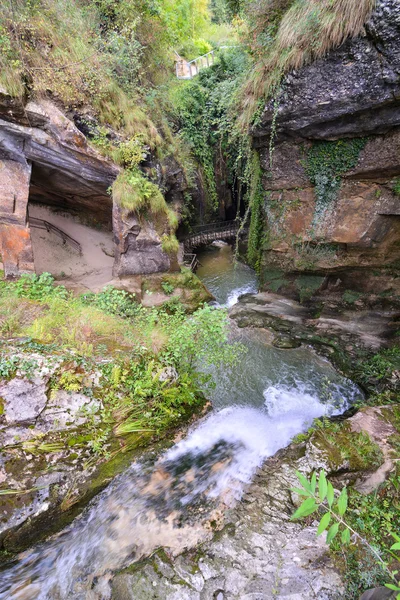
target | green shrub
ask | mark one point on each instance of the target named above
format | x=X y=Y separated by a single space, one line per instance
x=380 y=366
x=115 y=302
x=133 y=191
x=169 y=244
x=39 y=287
x=396 y=186
x=167 y=287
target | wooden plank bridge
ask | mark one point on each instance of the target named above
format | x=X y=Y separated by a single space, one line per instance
x=205 y=234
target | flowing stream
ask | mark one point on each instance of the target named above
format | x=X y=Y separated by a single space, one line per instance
x=174 y=501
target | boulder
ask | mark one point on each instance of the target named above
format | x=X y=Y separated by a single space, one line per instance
x=138 y=245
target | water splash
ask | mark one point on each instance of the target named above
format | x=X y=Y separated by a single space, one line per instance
x=169 y=503
x=234 y=295
x=226 y=278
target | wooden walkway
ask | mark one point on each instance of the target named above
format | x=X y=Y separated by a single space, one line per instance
x=205 y=234
x=187 y=69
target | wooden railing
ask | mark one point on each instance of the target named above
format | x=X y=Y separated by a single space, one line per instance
x=191 y=261
x=67 y=239
x=186 y=69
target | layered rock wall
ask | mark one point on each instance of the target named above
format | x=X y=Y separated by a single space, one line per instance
x=46 y=159
x=316 y=219
x=15 y=240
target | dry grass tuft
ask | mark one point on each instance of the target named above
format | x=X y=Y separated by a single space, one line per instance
x=71 y=324
x=288 y=34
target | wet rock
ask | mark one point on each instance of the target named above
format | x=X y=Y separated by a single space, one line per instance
x=66 y=409
x=219 y=244
x=352 y=91
x=376 y=423
x=260 y=553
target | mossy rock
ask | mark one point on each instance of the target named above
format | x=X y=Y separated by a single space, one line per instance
x=285 y=342
x=344 y=449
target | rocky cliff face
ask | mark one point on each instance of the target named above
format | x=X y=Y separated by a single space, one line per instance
x=46 y=159
x=332 y=196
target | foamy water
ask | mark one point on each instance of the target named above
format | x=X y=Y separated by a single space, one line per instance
x=148 y=506
x=226 y=278
x=271 y=396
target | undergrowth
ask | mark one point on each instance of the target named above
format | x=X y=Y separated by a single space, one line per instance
x=148 y=361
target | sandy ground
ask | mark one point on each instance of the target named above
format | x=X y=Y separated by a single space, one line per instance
x=91 y=270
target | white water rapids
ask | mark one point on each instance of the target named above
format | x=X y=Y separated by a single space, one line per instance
x=272 y=396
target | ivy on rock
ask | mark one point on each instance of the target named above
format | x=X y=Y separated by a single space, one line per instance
x=325 y=165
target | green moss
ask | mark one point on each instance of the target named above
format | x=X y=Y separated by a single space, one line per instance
x=170 y=244
x=273 y=279
x=325 y=164
x=257 y=219
x=396 y=186
x=343 y=447
x=392 y=415
x=308 y=285
x=351 y=296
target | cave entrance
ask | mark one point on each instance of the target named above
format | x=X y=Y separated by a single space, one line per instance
x=71 y=229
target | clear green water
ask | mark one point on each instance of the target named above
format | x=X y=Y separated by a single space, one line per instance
x=269 y=397
x=225 y=278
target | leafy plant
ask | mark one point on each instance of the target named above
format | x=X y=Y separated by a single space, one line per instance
x=396 y=186
x=115 y=302
x=167 y=287
x=39 y=287
x=350 y=296
x=8 y=366
x=320 y=497
x=380 y=366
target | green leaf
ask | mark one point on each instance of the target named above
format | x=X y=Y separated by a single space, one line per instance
x=395 y=546
x=395 y=588
x=326 y=519
x=301 y=491
x=307 y=508
x=304 y=482
x=346 y=536
x=332 y=532
x=313 y=482
x=342 y=502
x=330 y=494
x=322 y=486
